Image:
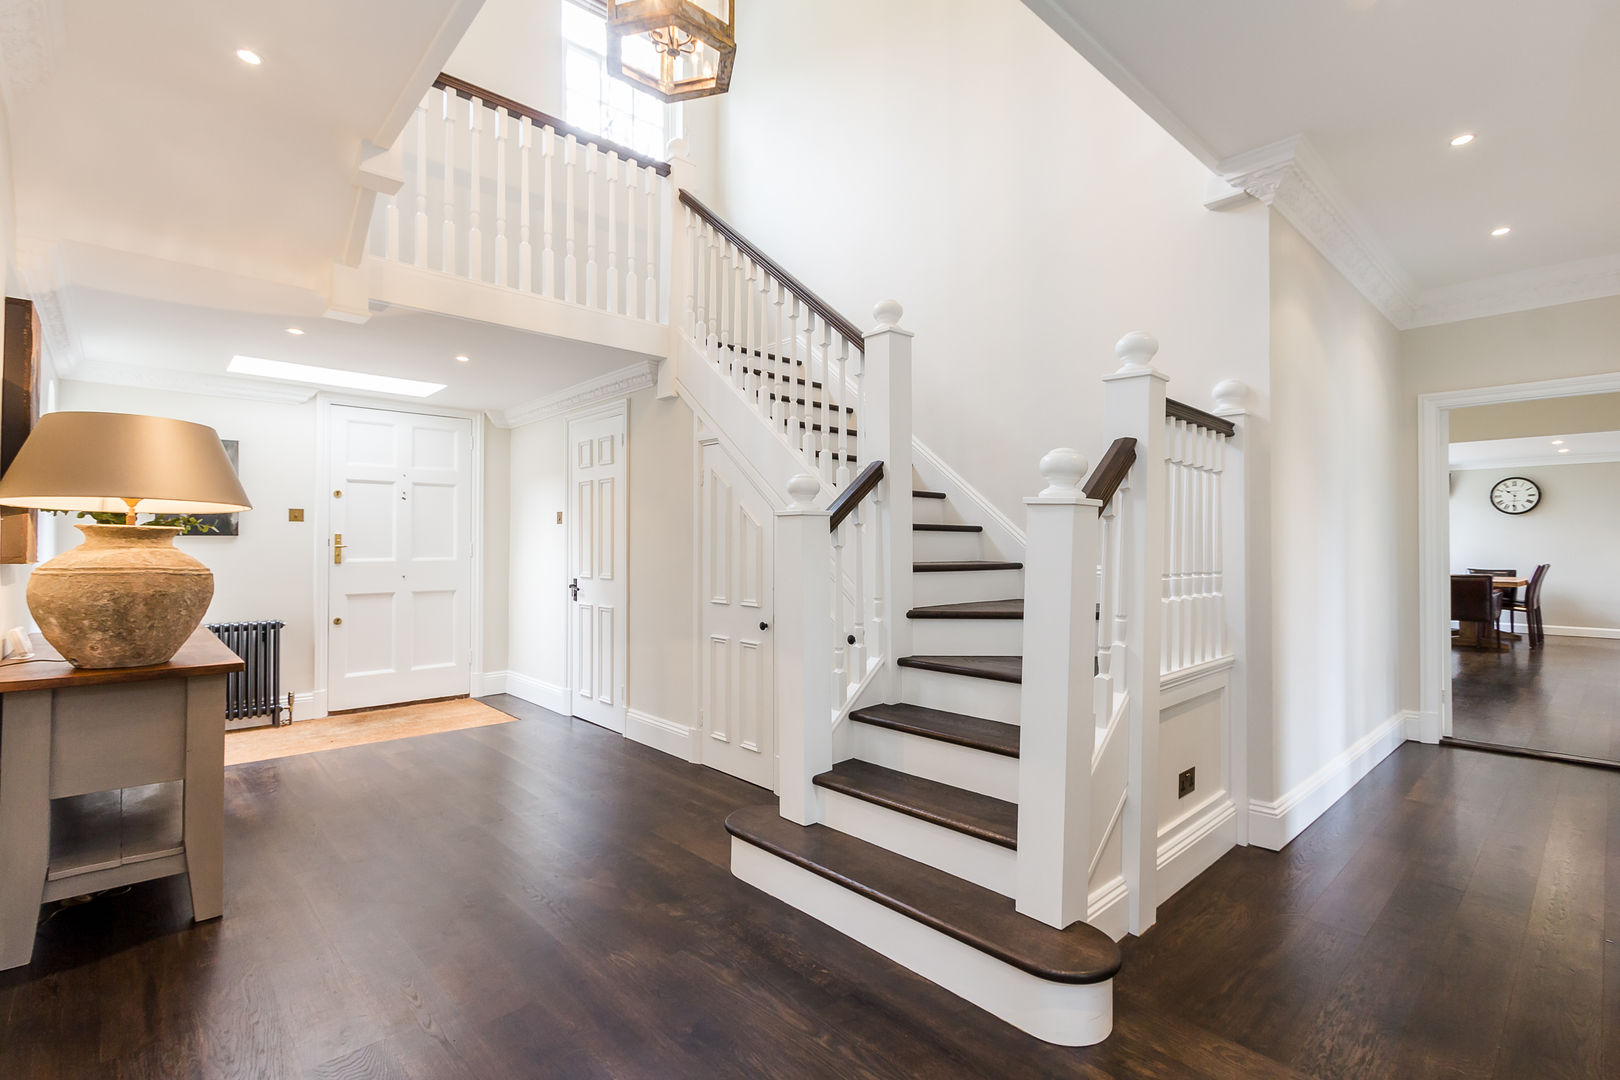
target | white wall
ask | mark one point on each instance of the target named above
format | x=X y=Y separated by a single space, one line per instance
x=962 y=159
x=661 y=560
x=1548 y=343
x=515 y=48
x=1575 y=527
x=13 y=608
x=1343 y=497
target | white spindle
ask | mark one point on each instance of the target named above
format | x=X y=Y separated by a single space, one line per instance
x=654 y=221
x=501 y=242
x=419 y=237
x=857 y=665
x=525 y=246
x=592 y=296
x=570 y=262
x=447 y=249
x=475 y=189
x=840 y=673
x=875 y=640
x=632 y=280
x=612 y=285
x=548 y=255
x=391 y=241
x=840 y=415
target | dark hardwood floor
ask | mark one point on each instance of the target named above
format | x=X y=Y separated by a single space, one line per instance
x=1563 y=697
x=546 y=899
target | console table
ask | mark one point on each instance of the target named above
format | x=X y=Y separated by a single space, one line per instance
x=109 y=777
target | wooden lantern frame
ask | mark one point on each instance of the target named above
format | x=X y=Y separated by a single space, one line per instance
x=628 y=18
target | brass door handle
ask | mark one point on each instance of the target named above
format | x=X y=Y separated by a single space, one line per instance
x=337 y=549
x=338 y=621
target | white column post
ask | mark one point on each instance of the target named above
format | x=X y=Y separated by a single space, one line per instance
x=1055 y=700
x=1230 y=399
x=676 y=242
x=885 y=435
x=1134 y=407
x=804 y=643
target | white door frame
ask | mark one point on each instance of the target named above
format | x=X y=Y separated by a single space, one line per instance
x=599 y=411
x=1434 y=527
x=323 y=531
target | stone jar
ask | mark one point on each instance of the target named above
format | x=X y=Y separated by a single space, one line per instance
x=126 y=597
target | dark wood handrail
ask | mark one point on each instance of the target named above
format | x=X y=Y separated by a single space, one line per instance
x=1177 y=410
x=851 y=497
x=815 y=303
x=1111 y=471
x=463 y=88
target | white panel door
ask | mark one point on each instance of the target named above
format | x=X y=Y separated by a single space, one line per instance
x=738 y=602
x=598 y=549
x=401 y=575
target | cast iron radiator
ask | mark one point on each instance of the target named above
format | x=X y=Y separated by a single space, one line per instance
x=255 y=691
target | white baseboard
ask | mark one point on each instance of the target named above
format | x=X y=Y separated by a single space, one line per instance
x=1107 y=910
x=672 y=738
x=1582 y=631
x=485 y=683
x=537 y=692
x=1273 y=824
x=309 y=705
x=1190 y=845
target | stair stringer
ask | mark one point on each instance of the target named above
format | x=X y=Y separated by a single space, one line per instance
x=1002 y=538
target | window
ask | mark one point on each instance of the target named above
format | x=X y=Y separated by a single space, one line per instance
x=597 y=102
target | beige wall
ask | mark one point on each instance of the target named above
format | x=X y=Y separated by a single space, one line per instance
x=1342 y=493
x=1547 y=343
x=1575 y=528
x=1546 y=416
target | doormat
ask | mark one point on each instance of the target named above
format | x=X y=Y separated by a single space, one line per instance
x=356 y=729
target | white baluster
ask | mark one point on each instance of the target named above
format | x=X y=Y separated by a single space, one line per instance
x=875 y=641
x=654 y=222
x=591 y=293
x=391 y=241
x=419 y=237
x=447 y=249
x=840 y=415
x=857 y=665
x=785 y=378
x=525 y=247
x=501 y=243
x=700 y=299
x=756 y=356
x=612 y=284
x=840 y=674
x=475 y=189
x=548 y=255
x=632 y=280
x=570 y=263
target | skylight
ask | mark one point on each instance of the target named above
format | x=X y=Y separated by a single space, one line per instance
x=325 y=376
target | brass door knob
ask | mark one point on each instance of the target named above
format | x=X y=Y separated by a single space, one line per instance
x=337 y=622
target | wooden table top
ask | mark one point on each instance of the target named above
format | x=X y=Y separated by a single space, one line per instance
x=1510 y=582
x=202 y=654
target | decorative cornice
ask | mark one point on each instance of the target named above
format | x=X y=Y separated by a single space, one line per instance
x=174 y=381
x=625 y=380
x=1547 y=286
x=45 y=277
x=1289 y=177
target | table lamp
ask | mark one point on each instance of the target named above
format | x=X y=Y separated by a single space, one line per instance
x=126 y=597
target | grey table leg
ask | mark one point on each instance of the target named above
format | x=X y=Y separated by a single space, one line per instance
x=25 y=820
x=205 y=795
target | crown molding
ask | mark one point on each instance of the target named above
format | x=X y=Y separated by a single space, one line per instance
x=45 y=276
x=1525 y=290
x=1288 y=177
x=625 y=380
x=1537 y=461
x=174 y=381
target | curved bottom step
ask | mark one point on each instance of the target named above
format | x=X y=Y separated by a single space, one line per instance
x=1057 y=985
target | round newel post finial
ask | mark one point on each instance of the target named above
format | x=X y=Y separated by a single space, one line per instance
x=802 y=490
x=1136 y=351
x=1064 y=470
x=887 y=313
x=1230 y=396
x=676 y=148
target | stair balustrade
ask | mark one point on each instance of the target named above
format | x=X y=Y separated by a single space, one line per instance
x=1194 y=601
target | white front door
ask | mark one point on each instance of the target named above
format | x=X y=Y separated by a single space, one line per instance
x=598 y=551
x=400 y=584
x=739 y=694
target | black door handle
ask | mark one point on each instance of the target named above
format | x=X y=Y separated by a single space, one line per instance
x=764 y=626
x=573 y=589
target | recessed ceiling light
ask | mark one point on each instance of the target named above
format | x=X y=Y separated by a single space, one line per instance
x=463 y=359
x=248 y=56
x=1558 y=442
x=1464 y=139
x=324 y=376
x=1501 y=230
x=1563 y=450
x=294 y=331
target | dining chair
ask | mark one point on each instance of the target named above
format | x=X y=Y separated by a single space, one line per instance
x=1474 y=599
x=1531 y=606
x=1509 y=596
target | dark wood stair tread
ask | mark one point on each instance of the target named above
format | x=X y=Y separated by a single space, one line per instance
x=812 y=404
x=969 y=913
x=998 y=668
x=975 y=609
x=953 y=808
x=816 y=426
x=936 y=526
x=927 y=494
x=975 y=732
x=958 y=566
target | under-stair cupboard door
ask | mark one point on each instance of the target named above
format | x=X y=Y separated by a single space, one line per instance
x=598 y=551
x=737 y=528
x=400 y=581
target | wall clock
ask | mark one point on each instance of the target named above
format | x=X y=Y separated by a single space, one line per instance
x=1515 y=495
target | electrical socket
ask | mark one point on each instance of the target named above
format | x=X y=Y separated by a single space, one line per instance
x=1186 y=782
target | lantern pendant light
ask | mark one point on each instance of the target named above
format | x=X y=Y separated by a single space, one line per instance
x=674 y=49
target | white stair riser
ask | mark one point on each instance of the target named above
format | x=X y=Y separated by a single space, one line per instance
x=964 y=586
x=968 y=637
x=929 y=546
x=967 y=857
x=959 y=693
x=928 y=510
x=995 y=775
x=1063 y=1013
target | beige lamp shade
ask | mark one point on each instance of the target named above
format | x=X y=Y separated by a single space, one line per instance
x=104 y=461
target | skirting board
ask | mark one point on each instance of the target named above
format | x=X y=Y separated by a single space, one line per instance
x=488 y=683
x=1063 y=1013
x=1190 y=846
x=1582 y=631
x=537 y=692
x=1273 y=824
x=666 y=735
x=309 y=705
x=1005 y=539
x=1107 y=910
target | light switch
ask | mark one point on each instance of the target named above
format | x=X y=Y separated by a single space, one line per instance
x=295 y=514
x=559 y=517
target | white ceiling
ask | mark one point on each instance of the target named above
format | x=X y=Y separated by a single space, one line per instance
x=1377 y=88
x=1575 y=449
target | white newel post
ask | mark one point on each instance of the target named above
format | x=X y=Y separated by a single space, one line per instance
x=1231 y=397
x=1055 y=701
x=884 y=423
x=1134 y=408
x=804 y=643
x=676 y=248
